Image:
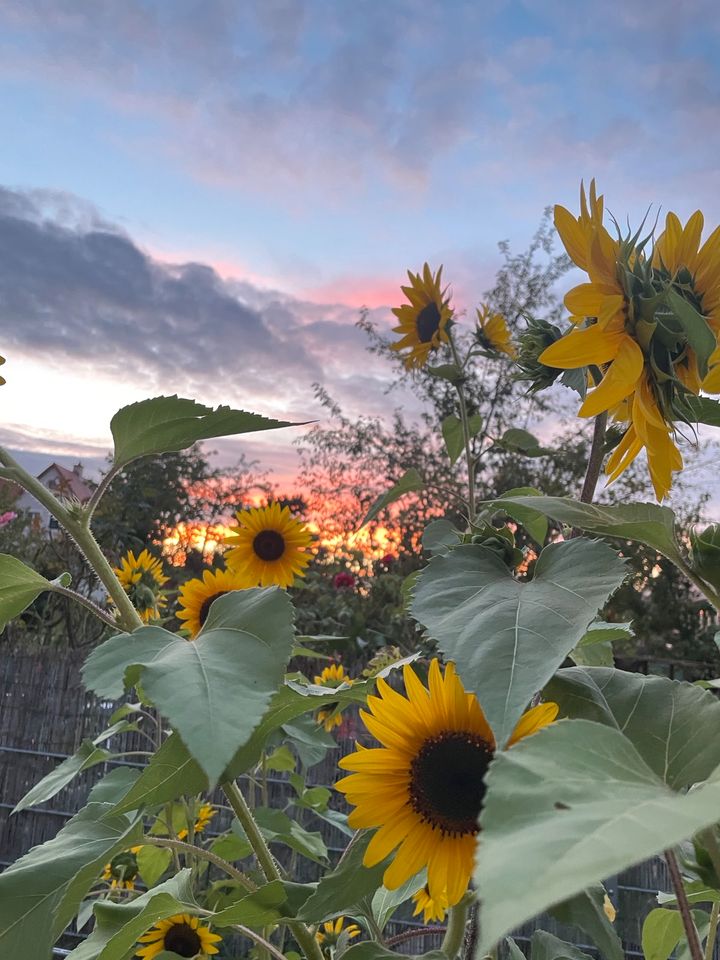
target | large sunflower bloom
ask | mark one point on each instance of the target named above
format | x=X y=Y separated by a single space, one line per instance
x=492 y=332
x=424 y=321
x=142 y=578
x=269 y=547
x=430 y=909
x=423 y=788
x=329 y=933
x=332 y=676
x=182 y=934
x=196 y=596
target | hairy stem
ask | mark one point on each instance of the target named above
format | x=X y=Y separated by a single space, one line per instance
x=455 y=933
x=202 y=854
x=691 y=934
x=466 y=431
x=411 y=934
x=87 y=603
x=98 y=492
x=302 y=934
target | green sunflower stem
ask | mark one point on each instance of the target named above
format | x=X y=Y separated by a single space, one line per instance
x=81 y=534
x=707 y=591
x=455 y=933
x=691 y=934
x=466 y=431
x=177 y=846
x=306 y=941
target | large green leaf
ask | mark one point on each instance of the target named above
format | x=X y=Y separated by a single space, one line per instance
x=663 y=930
x=534 y=522
x=215 y=689
x=165 y=424
x=672 y=725
x=341 y=890
x=409 y=482
x=372 y=950
x=41 y=892
x=586 y=911
x=256 y=909
x=385 y=902
x=647 y=523
x=508 y=637
x=19 y=586
x=546 y=946
x=704 y=410
x=277 y=827
x=118 y=925
x=572 y=804
x=172 y=771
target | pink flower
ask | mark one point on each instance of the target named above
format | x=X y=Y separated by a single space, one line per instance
x=343 y=581
x=7 y=517
x=388 y=559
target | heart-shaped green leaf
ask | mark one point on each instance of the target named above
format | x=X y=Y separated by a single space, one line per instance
x=507 y=637
x=19 y=586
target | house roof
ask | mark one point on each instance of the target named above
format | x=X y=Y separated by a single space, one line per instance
x=70 y=484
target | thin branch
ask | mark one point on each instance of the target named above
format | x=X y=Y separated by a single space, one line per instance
x=411 y=934
x=691 y=934
x=88 y=604
x=190 y=850
x=98 y=492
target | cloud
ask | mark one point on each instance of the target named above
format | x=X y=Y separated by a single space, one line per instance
x=78 y=292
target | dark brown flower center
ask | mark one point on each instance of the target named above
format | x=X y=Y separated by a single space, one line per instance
x=447 y=781
x=428 y=322
x=183 y=940
x=269 y=545
x=207 y=603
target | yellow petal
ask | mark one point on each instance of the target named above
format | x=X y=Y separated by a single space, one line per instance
x=619 y=381
x=582 y=347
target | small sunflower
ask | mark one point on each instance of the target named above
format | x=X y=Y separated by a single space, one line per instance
x=197 y=595
x=329 y=933
x=205 y=814
x=430 y=909
x=332 y=676
x=142 y=579
x=424 y=321
x=492 y=332
x=122 y=870
x=269 y=547
x=182 y=934
x=423 y=789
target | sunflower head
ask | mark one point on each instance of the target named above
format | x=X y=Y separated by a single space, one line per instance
x=423 y=322
x=122 y=870
x=333 y=676
x=142 y=579
x=537 y=337
x=197 y=595
x=422 y=790
x=432 y=910
x=492 y=333
x=182 y=934
x=204 y=815
x=269 y=547
x=329 y=933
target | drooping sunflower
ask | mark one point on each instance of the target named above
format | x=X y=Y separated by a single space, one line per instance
x=196 y=596
x=268 y=547
x=626 y=326
x=329 y=933
x=424 y=321
x=122 y=870
x=492 y=332
x=423 y=788
x=332 y=676
x=205 y=814
x=142 y=579
x=431 y=909
x=182 y=934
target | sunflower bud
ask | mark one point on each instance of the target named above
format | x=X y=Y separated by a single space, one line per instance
x=501 y=542
x=540 y=334
x=705 y=547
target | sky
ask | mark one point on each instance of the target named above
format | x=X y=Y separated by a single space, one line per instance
x=198 y=197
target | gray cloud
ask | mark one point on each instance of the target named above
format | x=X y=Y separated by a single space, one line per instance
x=73 y=286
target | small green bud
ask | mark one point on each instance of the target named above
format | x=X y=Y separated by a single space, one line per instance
x=539 y=335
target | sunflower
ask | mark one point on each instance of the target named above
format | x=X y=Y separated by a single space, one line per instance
x=268 y=547
x=424 y=321
x=329 y=933
x=431 y=909
x=205 y=814
x=182 y=934
x=196 y=596
x=122 y=870
x=142 y=579
x=492 y=332
x=332 y=676
x=424 y=787
x=625 y=328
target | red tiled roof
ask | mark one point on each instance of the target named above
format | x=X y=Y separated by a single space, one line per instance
x=71 y=484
